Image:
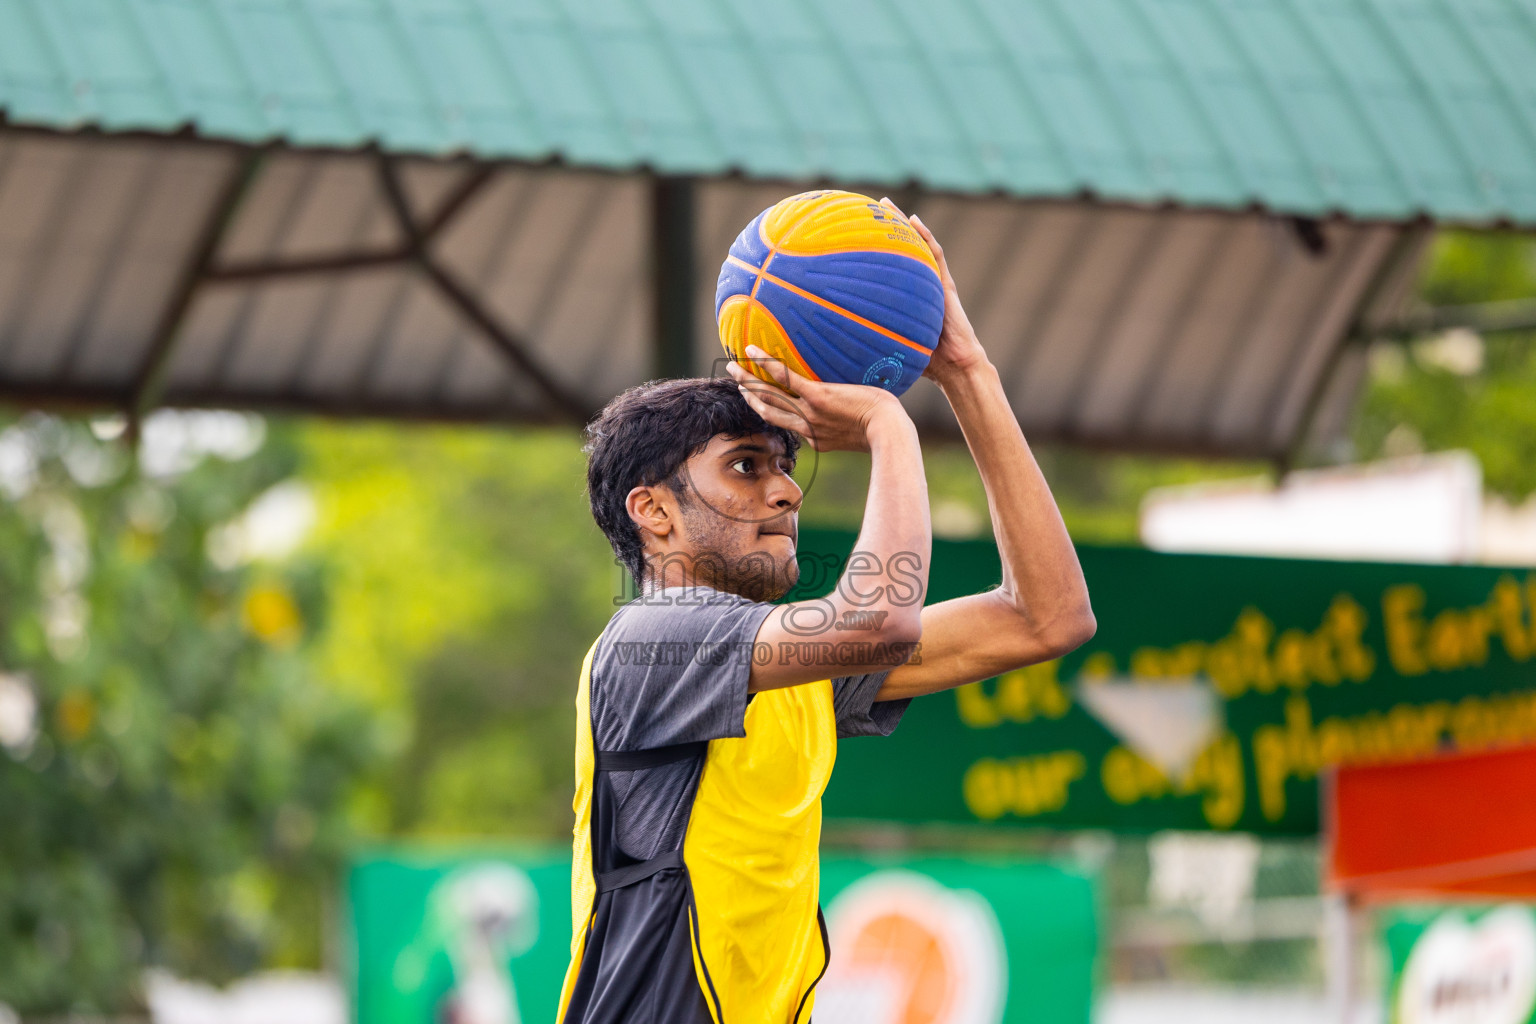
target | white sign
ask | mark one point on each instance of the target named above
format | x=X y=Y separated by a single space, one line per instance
x=1465 y=973
x=1422 y=509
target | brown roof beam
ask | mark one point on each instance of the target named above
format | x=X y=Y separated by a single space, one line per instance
x=259 y=271
x=149 y=377
x=503 y=338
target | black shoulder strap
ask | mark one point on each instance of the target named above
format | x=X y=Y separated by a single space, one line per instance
x=634 y=760
x=618 y=878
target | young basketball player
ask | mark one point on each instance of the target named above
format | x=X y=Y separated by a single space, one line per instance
x=708 y=717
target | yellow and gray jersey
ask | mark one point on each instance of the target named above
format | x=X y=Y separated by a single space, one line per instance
x=698 y=817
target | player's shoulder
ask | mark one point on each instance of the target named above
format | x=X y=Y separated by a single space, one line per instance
x=662 y=624
x=677 y=605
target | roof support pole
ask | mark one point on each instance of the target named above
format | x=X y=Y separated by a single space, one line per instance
x=1510 y=316
x=673 y=281
x=149 y=378
x=565 y=403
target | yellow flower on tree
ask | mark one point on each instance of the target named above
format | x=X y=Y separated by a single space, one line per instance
x=76 y=713
x=272 y=616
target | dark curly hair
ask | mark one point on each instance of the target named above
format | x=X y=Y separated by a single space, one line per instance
x=646 y=434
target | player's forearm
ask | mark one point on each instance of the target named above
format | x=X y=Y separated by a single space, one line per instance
x=889 y=569
x=1041 y=575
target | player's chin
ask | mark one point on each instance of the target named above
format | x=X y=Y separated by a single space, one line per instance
x=788 y=573
x=781 y=548
x=771 y=571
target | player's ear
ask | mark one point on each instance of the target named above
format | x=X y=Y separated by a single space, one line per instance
x=650 y=509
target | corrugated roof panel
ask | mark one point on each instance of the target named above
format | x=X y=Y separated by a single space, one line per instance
x=146 y=260
x=1084 y=123
x=1133 y=355
x=31 y=80
x=810 y=76
x=1326 y=122
x=1377 y=108
x=1418 y=139
x=66 y=263
x=1008 y=140
x=737 y=100
x=335 y=355
x=1283 y=417
x=1179 y=150
x=104 y=56
x=660 y=113
x=382 y=78
x=1492 y=127
x=1059 y=343
x=1269 y=342
x=467 y=76
x=42 y=185
x=111 y=212
x=211 y=82
x=296 y=84
x=1265 y=136
x=1188 y=382
x=891 y=69
x=559 y=83
x=1192 y=330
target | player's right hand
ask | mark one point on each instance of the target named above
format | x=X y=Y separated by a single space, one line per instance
x=831 y=417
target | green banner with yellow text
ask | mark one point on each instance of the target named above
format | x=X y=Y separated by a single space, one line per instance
x=1309 y=663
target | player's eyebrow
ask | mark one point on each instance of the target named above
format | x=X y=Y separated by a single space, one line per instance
x=755 y=448
x=746 y=446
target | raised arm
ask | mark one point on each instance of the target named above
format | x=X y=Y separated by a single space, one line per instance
x=872 y=620
x=1041 y=611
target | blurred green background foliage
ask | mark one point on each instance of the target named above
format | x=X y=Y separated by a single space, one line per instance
x=214 y=725
x=176 y=793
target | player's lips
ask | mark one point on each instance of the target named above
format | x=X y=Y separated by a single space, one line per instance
x=777 y=530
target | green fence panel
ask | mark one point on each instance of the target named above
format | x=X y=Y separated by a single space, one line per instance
x=432 y=927
x=950 y=940
x=954 y=941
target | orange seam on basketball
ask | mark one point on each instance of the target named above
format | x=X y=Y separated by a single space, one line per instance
x=757 y=280
x=799 y=365
x=724 y=324
x=727 y=309
x=834 y=307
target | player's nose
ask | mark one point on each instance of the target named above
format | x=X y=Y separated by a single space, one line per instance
x=783 y=492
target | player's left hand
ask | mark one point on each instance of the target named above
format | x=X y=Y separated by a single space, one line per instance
x=958 y=349
x=831 y=417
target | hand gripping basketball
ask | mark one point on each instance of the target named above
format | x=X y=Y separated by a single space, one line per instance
x=831 y=417
x=838 y=286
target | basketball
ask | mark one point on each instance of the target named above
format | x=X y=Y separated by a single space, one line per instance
x=836 y=285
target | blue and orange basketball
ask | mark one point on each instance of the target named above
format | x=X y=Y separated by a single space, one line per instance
x=836 y=285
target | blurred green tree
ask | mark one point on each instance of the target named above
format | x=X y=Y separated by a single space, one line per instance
x=467 y=578
x=1459 y=390
x=173 y=779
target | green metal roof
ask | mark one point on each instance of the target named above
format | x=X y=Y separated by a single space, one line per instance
x=1375 y=108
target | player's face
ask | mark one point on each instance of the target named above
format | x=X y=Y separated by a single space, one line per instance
x=740 y=518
